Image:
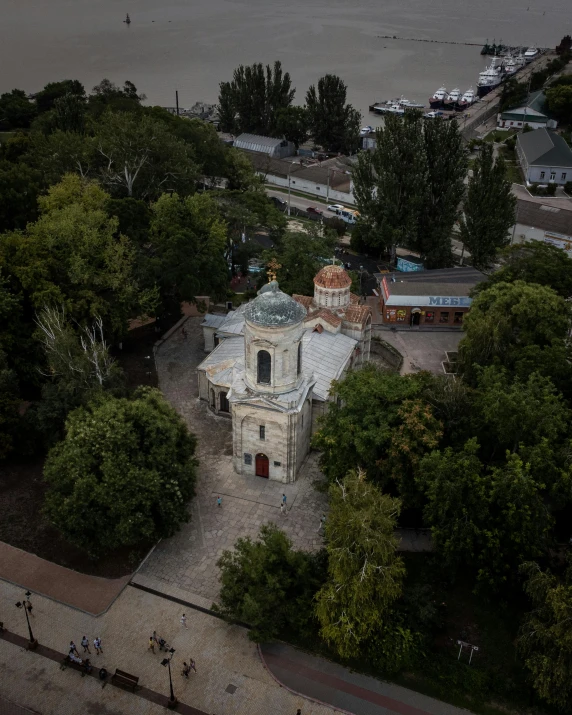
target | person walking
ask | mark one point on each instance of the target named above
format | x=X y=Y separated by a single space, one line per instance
x=186 y=670
x=219 y=501
x=97 y=646
x=192 y=665
x=73 y=648
x=152 y=644
x=184 y=620
x=282 y=509
x=29 y=607
x=85 y=645
x=284 y=499
x=184 y=333
x=322 y=523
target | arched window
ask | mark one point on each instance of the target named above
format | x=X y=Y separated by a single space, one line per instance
x=213 y=399
x=299 y=357
x=264 y=367
x=224 y=404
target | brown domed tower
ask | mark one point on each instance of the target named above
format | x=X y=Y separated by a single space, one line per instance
x=332 y=288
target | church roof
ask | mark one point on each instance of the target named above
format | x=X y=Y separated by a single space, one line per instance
x=305 y=300
x=326 y=315
x=332 y=277
x=273 y=308
x=325 y=355
x=357 y=314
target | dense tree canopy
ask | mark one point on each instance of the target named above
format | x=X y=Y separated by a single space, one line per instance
x=488 y=210
x=268 y=585
x=252 y=100
x=545 y=639
x=365 y=574
x=123 y=474
x=334 y=124
x=16 y=110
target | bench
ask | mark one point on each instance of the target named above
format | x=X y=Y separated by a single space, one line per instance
x=123 y=679
x=68 y=663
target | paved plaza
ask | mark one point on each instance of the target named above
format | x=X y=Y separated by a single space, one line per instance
x=185 y=565
x=421 y=349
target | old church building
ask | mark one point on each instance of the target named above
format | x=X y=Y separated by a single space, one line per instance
x=271 y=365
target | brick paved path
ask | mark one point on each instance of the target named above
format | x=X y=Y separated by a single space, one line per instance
x=185 y=565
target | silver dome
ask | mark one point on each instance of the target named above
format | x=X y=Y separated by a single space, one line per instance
x=273 y=308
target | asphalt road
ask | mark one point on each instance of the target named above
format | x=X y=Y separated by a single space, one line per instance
x=302 y=203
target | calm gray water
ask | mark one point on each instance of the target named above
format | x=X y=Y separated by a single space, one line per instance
x=191 y=45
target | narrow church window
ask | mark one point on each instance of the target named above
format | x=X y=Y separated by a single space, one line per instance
x=262 y=432
x=299 y=357
x=264 y=366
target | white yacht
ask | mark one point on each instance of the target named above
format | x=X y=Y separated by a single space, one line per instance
x=531 y=54
x=510 y=66
x=467 y=99
x=436 y=101
x=407 y=104
x=452 y=99
x=488 y=80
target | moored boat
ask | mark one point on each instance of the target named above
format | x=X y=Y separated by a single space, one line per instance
x=531 y=54
x=436 y=101
x=466 y=100
x=407 y=104
x=488 y=80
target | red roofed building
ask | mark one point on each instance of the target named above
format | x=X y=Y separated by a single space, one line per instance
x=335 y=309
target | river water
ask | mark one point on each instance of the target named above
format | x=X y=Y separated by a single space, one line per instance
x=192 y=45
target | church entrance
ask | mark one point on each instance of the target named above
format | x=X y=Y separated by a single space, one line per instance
x=262 y=465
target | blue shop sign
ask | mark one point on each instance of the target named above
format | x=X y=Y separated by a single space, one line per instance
x=444 y=301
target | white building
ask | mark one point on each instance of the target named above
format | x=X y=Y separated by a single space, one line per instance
x=272 y=365
x=545 y=157
x=530 y=114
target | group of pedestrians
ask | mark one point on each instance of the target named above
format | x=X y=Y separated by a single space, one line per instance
x=156 y=640
x=85 y=645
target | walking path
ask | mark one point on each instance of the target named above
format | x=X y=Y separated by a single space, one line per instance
x=91 y=594
x=349 y=692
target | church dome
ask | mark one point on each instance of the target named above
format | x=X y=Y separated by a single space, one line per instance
x=333 y=277
x=273 y=308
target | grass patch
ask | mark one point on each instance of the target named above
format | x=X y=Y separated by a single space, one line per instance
x=497 y=135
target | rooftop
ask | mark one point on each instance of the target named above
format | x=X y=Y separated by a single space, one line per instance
x=441 y=281
x=543 y=148
x=273 y=308
x=332 y=276
x=245 y=141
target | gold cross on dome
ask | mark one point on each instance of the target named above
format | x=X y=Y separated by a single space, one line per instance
x=273 y=266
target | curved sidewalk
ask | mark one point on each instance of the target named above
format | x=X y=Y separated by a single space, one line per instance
x=348 y=692
x=91 y=594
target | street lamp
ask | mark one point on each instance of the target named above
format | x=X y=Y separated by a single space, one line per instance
x=33 y=643
x=172 y=701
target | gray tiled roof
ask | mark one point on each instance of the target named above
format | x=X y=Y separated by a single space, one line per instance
x=228 y=349
x=213 y=320
x=544 y=148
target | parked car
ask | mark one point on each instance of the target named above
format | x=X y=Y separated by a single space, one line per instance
x=335 y=208
x=279 y=203
x=314 y=210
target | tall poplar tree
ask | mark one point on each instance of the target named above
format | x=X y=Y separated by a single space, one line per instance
x=489 y=209
x=365 y=574
x=390 y=183
x=333 y=123
x=252 y=100
x=446 y=167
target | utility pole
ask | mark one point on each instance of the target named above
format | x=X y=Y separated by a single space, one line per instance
x=289 y=170
x=177 y=100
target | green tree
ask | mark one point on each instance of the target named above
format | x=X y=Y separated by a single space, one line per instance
x=390 y=183
x=333 y=123
x=69 y=113
x=365 y=574
x=184 y=255
x=19 y=189
x=534 y=262
x=446 y=167
x=139 y=157
x=269 y=585
x=16 y=110
x=108 y=96
x=545 y=640
x=488 y=210
x=60 y=153
x=73 y=256
x=252 y=100
x=79 y=367
x=559 y=101
x=48 y=97
x=490 y=520
x=123 y=475
x=292 y=123
x=301 y=254
x=510 y=323
x=9 y=404
x=240 y=173
x=514 y=94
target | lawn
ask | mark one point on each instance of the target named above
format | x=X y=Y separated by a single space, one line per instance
x=497 y=135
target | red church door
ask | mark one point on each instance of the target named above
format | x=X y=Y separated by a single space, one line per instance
x=262 y=465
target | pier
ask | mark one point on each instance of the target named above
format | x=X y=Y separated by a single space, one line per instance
x=442 y=42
